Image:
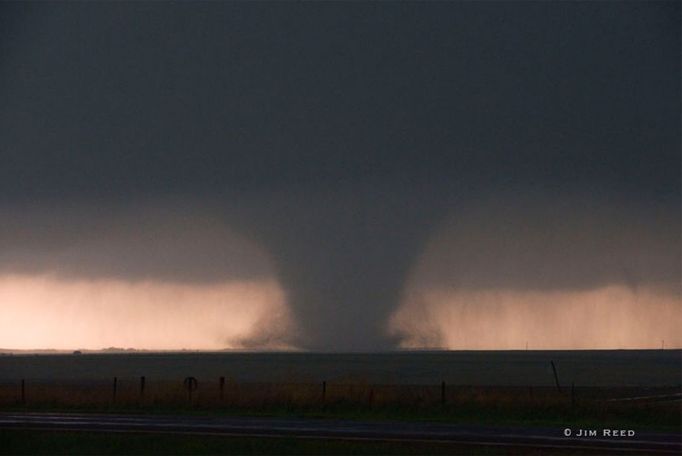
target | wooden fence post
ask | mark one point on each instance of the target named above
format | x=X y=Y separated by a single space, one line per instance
x=556 y=377
x=191 y=384
x=142 y=384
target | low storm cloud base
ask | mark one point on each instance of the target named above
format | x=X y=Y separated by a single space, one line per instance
x=577 y=272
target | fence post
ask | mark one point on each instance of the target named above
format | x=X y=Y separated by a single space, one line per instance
x=115 y=388
x=191 y=384
x=142 y=382
x=222 y=388
x=556 y=377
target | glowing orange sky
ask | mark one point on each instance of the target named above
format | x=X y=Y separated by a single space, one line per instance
x=44 y=312
x=606 y=317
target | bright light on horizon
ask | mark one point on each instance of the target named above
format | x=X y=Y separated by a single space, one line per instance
x=609 y=317
x=45 y=312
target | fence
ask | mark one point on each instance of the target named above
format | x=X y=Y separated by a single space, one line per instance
x=222 y=392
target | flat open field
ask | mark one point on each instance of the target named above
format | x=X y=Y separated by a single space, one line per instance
x=620 y=389
x=597 y=368
x=510 y=386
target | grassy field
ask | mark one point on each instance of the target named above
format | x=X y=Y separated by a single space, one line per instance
x=60 y=383
x=597 y=368
x=496 y=388
x=513 y=406
x=349 y=386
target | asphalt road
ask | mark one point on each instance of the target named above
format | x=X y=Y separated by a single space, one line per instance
x=641 y=442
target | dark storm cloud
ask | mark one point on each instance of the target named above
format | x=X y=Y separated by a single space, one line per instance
x=161 y=241
x=535 y=243
x=337 y=134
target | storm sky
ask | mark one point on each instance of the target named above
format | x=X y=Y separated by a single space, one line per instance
x=351 y=175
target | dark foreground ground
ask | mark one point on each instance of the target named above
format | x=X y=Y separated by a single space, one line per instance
x=86 y=443
x=42 y=432
x=584 y=368
x=298 y=403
